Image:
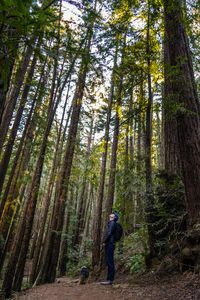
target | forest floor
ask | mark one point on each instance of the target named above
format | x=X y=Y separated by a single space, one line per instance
x=134 y=287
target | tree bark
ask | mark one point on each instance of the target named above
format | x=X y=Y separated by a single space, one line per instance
x=148 y=145
x=35 y=184
x=170 y=148
x=86 y=233
x=14 y=186
x=11 y=101
x=13 y=271
x=49 y=269
x=10 y=207
x=50 y=259
x=132 y=140
x=98 y=212
x=82 y=203
x=8 y=150
x=57 y=158
x=188 y=110
x=26 y=133
x=113 y=163
x=7 y=59
x=62 y=268
x=10 y=230
x=10 y=36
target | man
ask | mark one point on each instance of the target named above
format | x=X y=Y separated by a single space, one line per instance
x=109 y=244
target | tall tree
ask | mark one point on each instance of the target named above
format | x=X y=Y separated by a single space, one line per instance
x=148 y=142
x=11 y=32
x=185 y=99
x=17 y=260
x=82 y=203
x=51 y=255
x=113 y=163
x=13 y=96
x=97 y=221
x=8 y=150
x=56 y=161
x=170 y=148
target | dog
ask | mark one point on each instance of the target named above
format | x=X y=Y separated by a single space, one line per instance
x=84 y=274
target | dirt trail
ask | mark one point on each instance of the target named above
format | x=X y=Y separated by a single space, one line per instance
x=176 y=287
x=66 y=290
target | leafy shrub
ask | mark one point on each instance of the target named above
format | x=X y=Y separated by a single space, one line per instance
x=169 y=211
x=136 y=263
x=73 y=270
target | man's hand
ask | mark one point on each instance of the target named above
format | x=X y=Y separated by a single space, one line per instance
x=104 y=244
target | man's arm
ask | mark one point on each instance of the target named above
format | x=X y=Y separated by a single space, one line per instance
x=109 y=232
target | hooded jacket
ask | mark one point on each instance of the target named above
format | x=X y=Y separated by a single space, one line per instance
x=109 y=236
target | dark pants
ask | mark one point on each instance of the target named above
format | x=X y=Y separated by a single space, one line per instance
x=110 y=261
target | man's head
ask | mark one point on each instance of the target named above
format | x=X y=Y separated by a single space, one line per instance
x=113 y=216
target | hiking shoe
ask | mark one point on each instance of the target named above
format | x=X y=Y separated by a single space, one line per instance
x=108 y=282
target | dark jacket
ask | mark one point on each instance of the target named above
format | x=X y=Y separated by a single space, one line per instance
x=109 y=236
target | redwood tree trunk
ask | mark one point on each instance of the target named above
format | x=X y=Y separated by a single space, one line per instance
x=82 y=203
x=8 y=150
x=5 y=85
x=184 y=95
x=10 y=193
x=7 y=59
x=10 y=36
x=11 y=102
x=10 y=230
x=35 y=184
x=17 y=260
x=98 y=212
x=148 y=145
x=148 y=136
x=50 y=259
x=86 y=233
x=57 y=158
x=170 y=147
x=113 y=163
x=62 y=268
x=15 y=188
x=49 y=267
x=7 y=212
x=132 y=140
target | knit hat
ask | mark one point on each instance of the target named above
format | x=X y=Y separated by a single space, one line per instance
x=116 y=216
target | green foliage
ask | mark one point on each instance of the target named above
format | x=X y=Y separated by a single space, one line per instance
x=26 y=285
x=73 y=270
x=137 y=240
x=136 y=263
x=169 y=211
x=134 y=251
x=129 y=186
